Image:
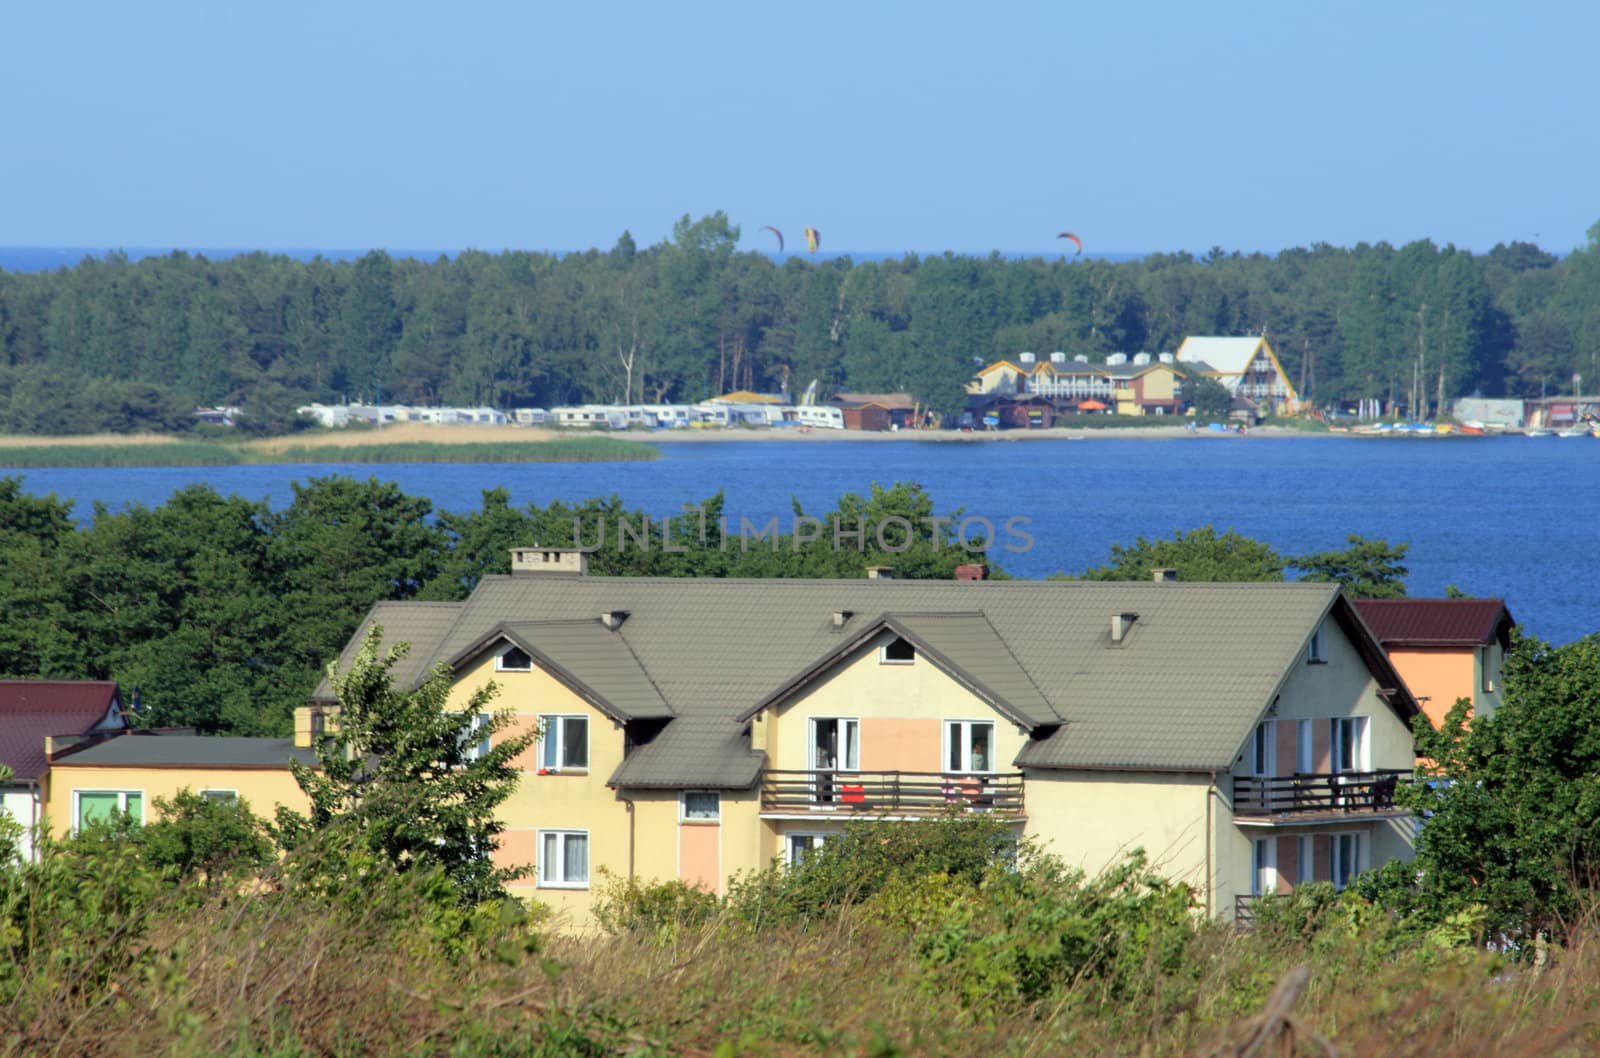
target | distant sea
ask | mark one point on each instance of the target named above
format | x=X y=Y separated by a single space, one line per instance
x=48 y=258
x=1517 y=517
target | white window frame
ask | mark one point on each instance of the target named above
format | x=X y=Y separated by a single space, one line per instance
x=1263 y=750
x=476 y=745
x=848 y=763
x=500 y=659
x=221 y=795
x=683 y=806
x=1315 y=655
x=552 y=732
x=818 y=839
x=885 y=659
x=1340 y=730
x=1337 y=854
x=962 y=729
x=122 y=804
x=1305 y=756
x=544 y=867
x=1263 y=866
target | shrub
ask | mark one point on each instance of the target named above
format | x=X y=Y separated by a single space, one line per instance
x=627 y=905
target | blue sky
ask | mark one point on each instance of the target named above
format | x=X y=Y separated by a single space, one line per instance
x=891 y=127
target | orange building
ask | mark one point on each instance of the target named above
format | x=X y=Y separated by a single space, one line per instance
x=1444 y=649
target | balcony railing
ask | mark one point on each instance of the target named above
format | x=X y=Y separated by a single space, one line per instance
x=1244 y=910
x=889 y=793
x=1316 y=793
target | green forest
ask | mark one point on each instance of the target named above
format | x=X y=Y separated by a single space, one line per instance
x=118 y=345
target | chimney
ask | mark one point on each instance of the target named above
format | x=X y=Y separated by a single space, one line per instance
x=546 y=561
x=1121 y=625
x=972 y=572
x=613 y=619
x=880 y=573
x=840 y=617
x=1164 y=575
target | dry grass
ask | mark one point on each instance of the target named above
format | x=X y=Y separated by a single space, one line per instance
x=18 y=440
x=407 y=433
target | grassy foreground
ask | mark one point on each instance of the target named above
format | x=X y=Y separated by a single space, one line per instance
x=15 y=453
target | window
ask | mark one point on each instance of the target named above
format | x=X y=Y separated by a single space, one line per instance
x=475 y=740
x=799 y=846
x=564 y=743
x=1346 y=859
x=1350 y=750
x=101 y=806
x=564 y=859
x=969 y=745
x=1263 y=866
x=701 y=806
x=1314 y=653
x=897 y=652
x=835 y=744
x=1262 y=745
x=1304 y=760
x=1305 y=861
x=513 y=659
x=224 y=797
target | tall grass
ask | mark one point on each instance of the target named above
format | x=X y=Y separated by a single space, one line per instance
x=194 y=453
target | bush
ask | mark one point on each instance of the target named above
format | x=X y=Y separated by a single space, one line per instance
x=197 y=836
x=627 y=905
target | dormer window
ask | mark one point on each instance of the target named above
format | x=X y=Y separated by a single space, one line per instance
x=898 y=651
x=513 y=659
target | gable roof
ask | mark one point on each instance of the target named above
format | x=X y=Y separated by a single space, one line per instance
x=593 y=661
x=33 y=710
x=964 y=646
x=421 y=624
x=1181 y=693
x=997 y=365
x=1226 y=356
x=1437 y=622
x=887 y=401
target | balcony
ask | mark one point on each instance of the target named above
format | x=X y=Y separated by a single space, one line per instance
x=1309 y=796
x=918 y=794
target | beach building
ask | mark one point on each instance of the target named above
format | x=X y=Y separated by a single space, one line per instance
x=1247 y=366
x=875 y=411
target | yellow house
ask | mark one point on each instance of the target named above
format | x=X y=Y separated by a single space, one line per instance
x=1248 y=736
x=128 y=772
x=1247 y=366
x=1002 y=376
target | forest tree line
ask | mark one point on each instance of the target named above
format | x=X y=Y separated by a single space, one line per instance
x=114 y=344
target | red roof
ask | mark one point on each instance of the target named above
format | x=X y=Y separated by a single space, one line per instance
x=30 y=710
x=1436 y=622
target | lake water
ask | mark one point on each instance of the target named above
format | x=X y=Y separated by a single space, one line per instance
x=1512 y=516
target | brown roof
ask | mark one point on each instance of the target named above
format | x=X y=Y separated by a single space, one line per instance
x=32 y=710
x=1436 y=622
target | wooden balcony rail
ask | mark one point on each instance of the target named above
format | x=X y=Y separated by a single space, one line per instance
x=1316 y=792
x=893 y=793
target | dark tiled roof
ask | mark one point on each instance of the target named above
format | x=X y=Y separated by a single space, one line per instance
x=1181 y=693
x=890 y=401
x=32 y=710
x=420 y=624
x=191 y=751
x=1436 y=622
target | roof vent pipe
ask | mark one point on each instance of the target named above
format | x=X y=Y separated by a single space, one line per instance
x=613 y=619
x=840 y=617
x=880 y=573
x=1164 y=575
x=1121 y=625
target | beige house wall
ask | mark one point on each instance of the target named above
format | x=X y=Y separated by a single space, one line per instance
x=1095 y=819
x=262 y=789
x=1440 y=675
x=885 y=697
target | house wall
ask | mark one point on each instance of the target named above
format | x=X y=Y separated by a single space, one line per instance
x=1093 y=819
x=262 y=789
x=1438 y=676
x=1339 y=686
x=893 y=702
x=574 y=800
x=22 y=805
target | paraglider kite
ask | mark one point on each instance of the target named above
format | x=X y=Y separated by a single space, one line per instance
x=813 y=239
x=1075 y=241
x=775 y=231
